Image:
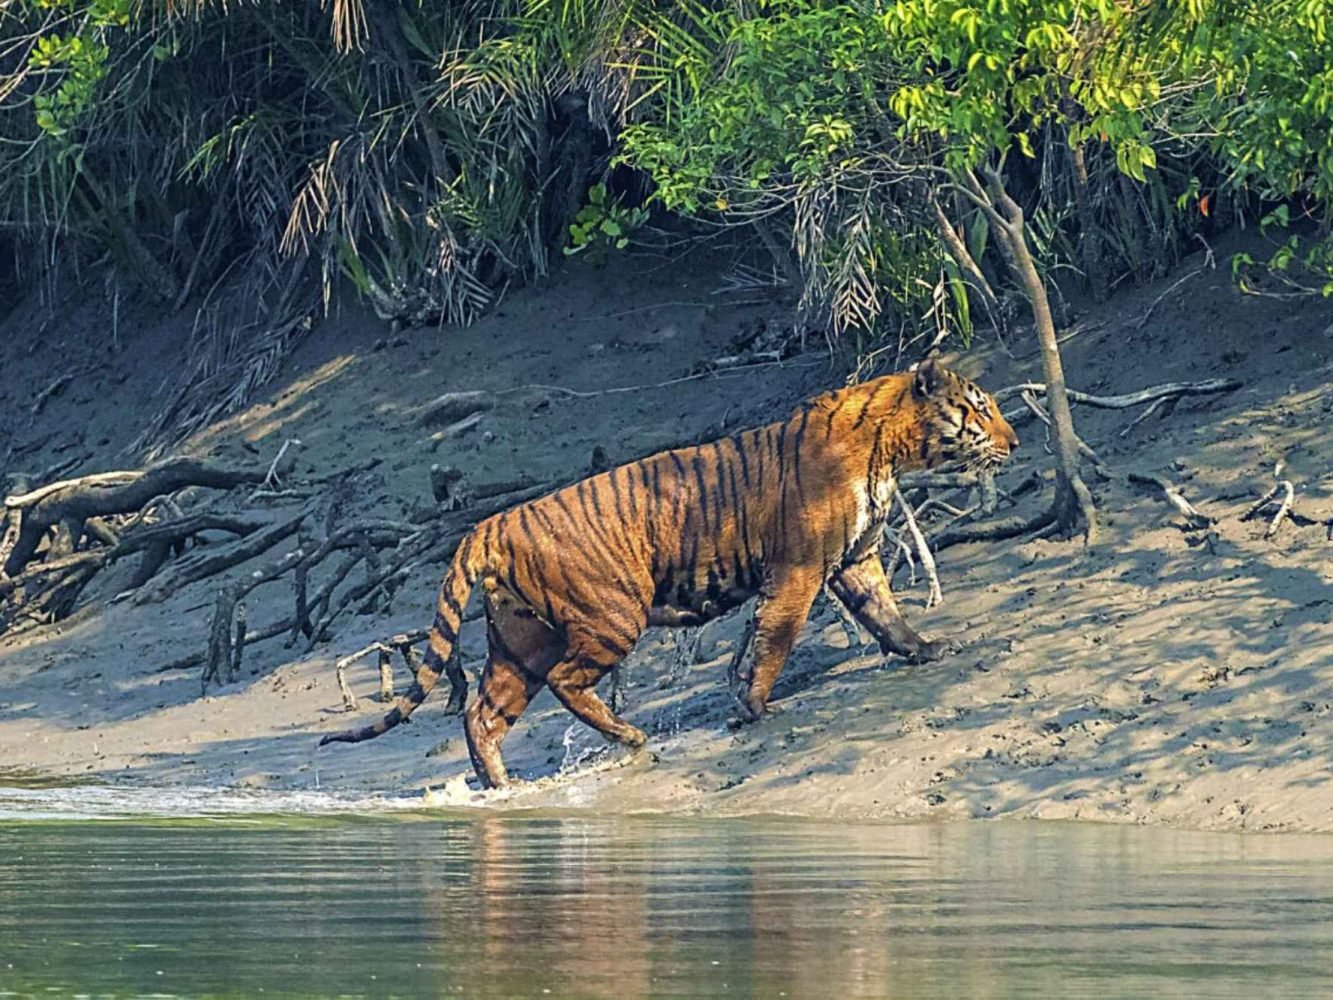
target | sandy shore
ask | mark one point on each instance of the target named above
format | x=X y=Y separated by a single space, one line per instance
x=1167 y=676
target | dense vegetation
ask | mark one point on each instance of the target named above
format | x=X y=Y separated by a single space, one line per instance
x=429 y=153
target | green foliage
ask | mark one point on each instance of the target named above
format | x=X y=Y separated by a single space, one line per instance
x=833 y=114
x=990 y=78
x=1271 y=109
x=603 y=223
x=425 y=154
x=789 y=93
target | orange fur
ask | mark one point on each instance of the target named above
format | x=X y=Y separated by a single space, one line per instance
x=573 y=578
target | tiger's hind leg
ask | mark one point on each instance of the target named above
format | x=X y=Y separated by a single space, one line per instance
x=521 y=650
x=505 y=691
x=574 y=681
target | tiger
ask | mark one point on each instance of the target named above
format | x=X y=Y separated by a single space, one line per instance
x=779 y=513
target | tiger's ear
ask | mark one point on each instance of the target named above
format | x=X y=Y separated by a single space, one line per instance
x=926 y=380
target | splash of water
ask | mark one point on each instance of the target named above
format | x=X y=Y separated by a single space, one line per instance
x=119 y=802
x=581 y=746
x=670 y=718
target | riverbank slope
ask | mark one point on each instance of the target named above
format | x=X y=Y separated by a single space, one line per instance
x=1166 y=676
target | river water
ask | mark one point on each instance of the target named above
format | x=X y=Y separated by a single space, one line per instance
x=199 y=893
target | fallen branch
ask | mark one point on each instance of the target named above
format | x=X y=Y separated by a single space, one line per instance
x=995 y=531
x=201 y=567
x=403 y=643
x=180 y=528
x=80 y=567
x=1129 y=399
x=1283 y=508
x=455 y=406
x=1175 y=498
x=73 y=501
x=125 y=492
x=936 y=595
x=1284 y=488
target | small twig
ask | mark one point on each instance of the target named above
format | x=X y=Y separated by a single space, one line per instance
x=458 y=428
x=1148 y=411
x=932 y=505
x=723 y=373
x=1175 y=498
x=1283 y=509
x=386 y=674
x=1158 y=301
x=238 y=647
x=282 y=465
x=936 y=595
x=1287 y=491
x=42 y=397
x=455 y=406
x=1128 y=399
x=901 y=552
x=1262 y=502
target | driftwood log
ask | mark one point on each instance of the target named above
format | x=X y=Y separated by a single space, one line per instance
x=210 y=563
x=1128 y=400
x=70 y=503
x=48 y=590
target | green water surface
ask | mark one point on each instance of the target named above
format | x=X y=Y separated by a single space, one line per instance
x=342 y=902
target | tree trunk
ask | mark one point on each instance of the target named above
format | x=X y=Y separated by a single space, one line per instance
x=976 y=279
x=1073 y=508
x=1090 y=243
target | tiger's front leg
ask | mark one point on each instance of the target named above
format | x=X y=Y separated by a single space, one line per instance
x=778 y=617
x=864 y=591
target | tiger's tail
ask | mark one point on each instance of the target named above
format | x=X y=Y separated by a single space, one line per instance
x=440 y=645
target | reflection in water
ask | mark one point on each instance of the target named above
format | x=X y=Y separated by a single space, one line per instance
x=506 y=907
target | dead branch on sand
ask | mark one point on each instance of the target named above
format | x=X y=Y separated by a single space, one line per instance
x=283 y=464
x=1283 y=494
x=936 y=595
x=1129 y=399
x=403 y=643
x=1173 y=496
x=69 y=504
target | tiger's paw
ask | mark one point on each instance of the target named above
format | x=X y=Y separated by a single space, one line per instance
x=923 y=651
x=749 y=710
x=928 y=651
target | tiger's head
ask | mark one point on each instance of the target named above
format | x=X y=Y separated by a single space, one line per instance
x=964 y=427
